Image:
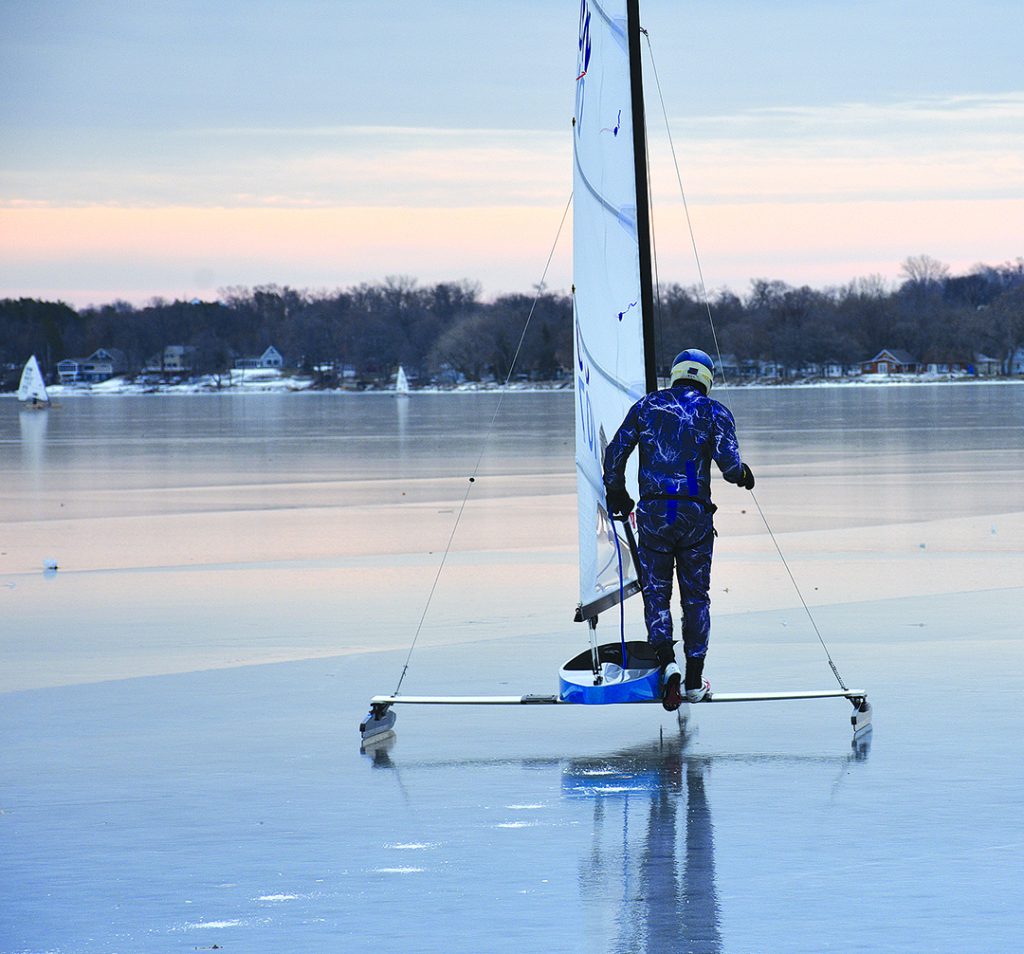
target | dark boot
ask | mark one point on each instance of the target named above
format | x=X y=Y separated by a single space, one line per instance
x=694 y=672
x=697 y=687
x=672 y=678
x=666 y=653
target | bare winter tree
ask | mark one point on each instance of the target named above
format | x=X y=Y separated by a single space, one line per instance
x=924 y=270
x=444 y=329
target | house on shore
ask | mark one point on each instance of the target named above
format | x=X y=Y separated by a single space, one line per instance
x=774 y=370
x=831 y=370
x=839 y=369
x=986 y=367
x=727 y=368
x=174 y=359
x=271 y=358
x=101 y=365
x=981 y=365
x=891 y=361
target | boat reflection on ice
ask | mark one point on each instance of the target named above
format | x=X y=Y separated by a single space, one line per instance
x=645 y=864
x=654 y=844
x=33 y=441
x=378 y=751
x=653 y=847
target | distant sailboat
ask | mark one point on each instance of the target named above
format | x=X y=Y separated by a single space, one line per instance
x=32 y=390
x=401 y=382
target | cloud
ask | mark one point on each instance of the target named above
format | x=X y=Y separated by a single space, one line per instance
x=318 y=167
x=965 y=146
x=893 y=119
x=937 y=148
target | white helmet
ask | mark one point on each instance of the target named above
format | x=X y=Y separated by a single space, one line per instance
x=693 y=365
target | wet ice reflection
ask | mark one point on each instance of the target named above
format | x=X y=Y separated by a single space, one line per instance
x=653 y=847
x=633 y=834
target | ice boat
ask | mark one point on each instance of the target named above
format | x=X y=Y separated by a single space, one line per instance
x=32 y=389
x=614 y=365
x=401 y=382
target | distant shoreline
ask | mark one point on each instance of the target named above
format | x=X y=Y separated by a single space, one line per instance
x=284 y=384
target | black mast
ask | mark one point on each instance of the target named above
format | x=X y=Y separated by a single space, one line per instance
x=643 y=219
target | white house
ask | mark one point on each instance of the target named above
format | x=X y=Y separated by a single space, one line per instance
x=271 y=358
x=981 y=365
x=174 y=359
x=986 y=367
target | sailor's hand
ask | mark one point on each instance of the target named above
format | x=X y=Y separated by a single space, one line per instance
x=620 y=504
x=744 y=479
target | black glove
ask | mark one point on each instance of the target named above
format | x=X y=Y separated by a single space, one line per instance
x=620 y=504
x=745 y=479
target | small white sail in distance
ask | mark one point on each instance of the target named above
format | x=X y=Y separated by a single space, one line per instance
x=401 y=382
x=32 y=389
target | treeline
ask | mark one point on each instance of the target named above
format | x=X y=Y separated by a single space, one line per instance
x=445 y=331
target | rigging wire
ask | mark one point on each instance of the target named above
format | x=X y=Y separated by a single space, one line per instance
x=483 y=445
x=807 y=610
x=658 y=314
x=686 y=207
x=714 y=334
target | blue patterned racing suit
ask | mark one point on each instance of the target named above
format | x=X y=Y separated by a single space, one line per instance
x=680 y=431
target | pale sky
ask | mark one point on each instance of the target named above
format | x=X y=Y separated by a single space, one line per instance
x=175 y=148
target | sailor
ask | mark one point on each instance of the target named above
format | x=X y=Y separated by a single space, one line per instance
x=680 y=430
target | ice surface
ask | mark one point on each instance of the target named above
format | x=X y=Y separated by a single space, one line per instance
x=160 y=793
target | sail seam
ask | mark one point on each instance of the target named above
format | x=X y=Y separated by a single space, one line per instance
x=616 y=28
x=621 y=217
x=631 y=393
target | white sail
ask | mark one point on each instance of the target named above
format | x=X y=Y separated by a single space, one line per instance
x=609 y=369
x=401 y=382
x=32 y=388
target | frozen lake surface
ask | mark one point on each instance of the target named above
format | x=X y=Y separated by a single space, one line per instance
x=239 y=574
